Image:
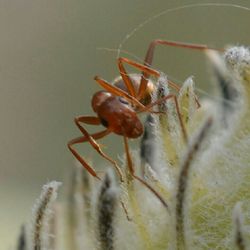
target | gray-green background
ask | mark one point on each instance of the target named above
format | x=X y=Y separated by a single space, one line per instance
x=48 y=57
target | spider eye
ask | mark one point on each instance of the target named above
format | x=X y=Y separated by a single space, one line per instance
x=123 y=100
x=104 y=122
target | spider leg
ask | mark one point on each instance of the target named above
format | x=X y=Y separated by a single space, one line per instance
x=125 y=75
x=82 y=139
x=159 y=101
x=145 y=69
x=150 y=54
x=149 y=59
x=132 y=172
x=91 y=140
x=117 y=91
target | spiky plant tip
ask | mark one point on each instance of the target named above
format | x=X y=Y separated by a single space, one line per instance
x=39 y=229
x=195 y=156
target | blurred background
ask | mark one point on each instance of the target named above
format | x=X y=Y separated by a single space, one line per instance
x=49 y=54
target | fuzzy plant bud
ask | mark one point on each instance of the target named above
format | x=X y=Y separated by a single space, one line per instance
x=187 y=188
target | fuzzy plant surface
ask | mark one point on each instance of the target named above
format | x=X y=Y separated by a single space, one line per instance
x=194 y=156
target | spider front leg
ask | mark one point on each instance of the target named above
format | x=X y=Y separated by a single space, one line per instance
x=145 y=69
x=95 y=121
x=83 y=139
x=117 y=91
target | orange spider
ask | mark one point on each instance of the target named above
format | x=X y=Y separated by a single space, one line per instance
x=117 y=108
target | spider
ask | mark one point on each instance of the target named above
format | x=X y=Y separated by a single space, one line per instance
x=118 y=105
